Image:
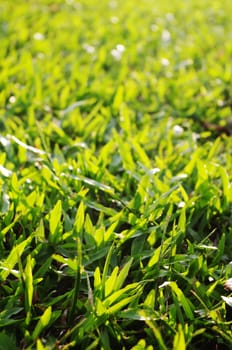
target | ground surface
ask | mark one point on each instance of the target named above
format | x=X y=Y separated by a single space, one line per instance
x=115 y=174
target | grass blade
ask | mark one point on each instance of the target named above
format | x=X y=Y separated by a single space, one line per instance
x=43 y=322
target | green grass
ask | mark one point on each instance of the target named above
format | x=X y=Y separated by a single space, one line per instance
x=116 y=198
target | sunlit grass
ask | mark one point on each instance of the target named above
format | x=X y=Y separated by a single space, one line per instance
x=115 y=175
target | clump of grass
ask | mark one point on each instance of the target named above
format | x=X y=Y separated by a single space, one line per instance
x=115 y=206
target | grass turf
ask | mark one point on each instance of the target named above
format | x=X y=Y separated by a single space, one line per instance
x=115 y=174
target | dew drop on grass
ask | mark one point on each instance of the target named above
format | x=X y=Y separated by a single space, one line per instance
x=12 y=99
x=118 y=51
x=40 y=55
x=89 y=48
x=178 y=130
x=181 y=204
x=165 y=62
x=154 y=27
x=120 y=47
x=114 y=20
x=113 y=4
x=170 y=17
x=38 y=36
x=166 y=36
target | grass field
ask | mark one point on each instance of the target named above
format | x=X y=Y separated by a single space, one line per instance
x=115 y=174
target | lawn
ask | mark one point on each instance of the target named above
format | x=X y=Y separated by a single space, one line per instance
x=115 y=175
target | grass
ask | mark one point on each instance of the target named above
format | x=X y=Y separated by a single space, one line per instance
x=115 y=175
